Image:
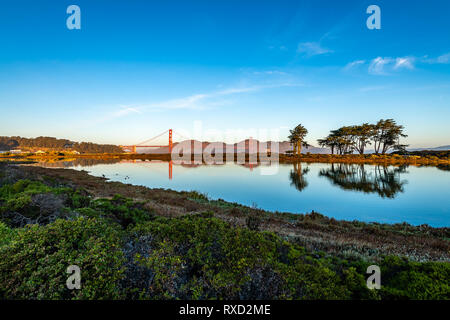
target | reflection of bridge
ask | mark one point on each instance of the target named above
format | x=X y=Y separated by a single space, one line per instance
x=146 y=143
x=171 y=163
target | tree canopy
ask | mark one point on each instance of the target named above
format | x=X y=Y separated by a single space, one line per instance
x=8 y=143
x=384 y=135
x=297 y=138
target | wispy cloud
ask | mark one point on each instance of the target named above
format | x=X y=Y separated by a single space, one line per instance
x=281 y=48
x=233 y=91
x=124 y=111
x=445 y=58
x=108 y=116
x=190 y=102
x=199 y=101
x=406 y=62
x=442 y=59
x=310 y=49
x=387 y=65
x=354 y=64
x=377 y=65
x=384 y=66
x=371 y=88
x=270 y=72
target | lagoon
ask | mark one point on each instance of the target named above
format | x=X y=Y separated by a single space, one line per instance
x=370 y=193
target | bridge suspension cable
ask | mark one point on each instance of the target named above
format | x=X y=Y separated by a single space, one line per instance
x=151 y=139
x=180 y=135
x=146 y=143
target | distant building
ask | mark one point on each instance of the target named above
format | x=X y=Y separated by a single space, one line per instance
x=39 y=152
x=15 y=151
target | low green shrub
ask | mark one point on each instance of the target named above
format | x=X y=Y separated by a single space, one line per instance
x=195 y=195
x=6 y=234
x=33 y=265
x=125 y=251
x=200 y=258
x=122 y=210
x=403 y=279
x=253 y=222
x=25 y=186
x=78 y=199
x=26 y=200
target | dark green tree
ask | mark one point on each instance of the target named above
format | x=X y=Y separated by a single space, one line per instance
x=387 y=134
x=297 y=138
x=362 y=136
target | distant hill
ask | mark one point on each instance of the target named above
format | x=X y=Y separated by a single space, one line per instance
x=284 y=146
x=242 y=146
x=9 y=143
x=441 y=148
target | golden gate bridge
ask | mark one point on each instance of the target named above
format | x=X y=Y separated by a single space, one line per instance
x=146 y=143
x=149 y=143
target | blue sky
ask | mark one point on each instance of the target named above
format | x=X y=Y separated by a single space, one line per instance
x=137 y=68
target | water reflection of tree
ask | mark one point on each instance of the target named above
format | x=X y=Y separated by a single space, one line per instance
x=385 y=181
x=444 y=167
x=68 y=163
x=297 y=177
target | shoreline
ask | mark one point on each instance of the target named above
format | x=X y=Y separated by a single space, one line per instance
x=443 y=161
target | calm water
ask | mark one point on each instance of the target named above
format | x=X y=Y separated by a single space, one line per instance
x=349 y=192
